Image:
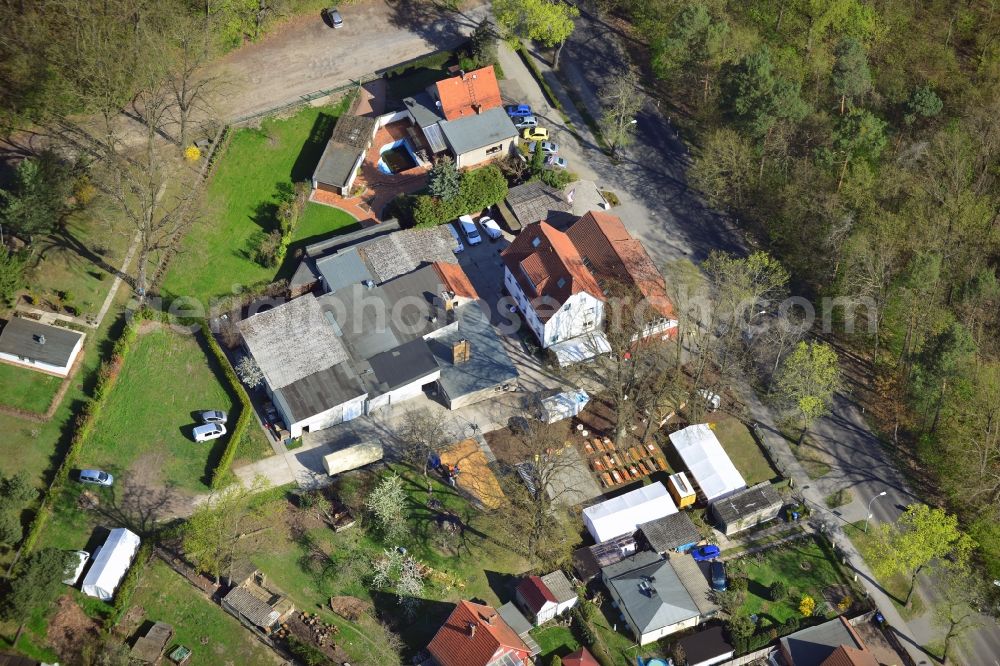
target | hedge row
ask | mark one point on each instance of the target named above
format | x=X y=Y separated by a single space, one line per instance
x=479 y=189
x=242 y=423
x=123 y=596
x=107 y=375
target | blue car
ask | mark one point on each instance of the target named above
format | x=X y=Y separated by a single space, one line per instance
x=705 y=553
x=719 y=582
x=519 y=111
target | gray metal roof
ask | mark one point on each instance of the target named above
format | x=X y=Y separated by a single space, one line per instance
x=535 y=201
x=350 y=139
x=403 y=365
x=423 y=110
x=255 y=610
x=756 y=499
x=22 y=337
x=292 y=341
x=670 y=532
x=559 y=586
x=343 y=269
x=488 y=364
x=478 y=131
x=694 y=577
x=514 y=618
x=320 y=391
x=811 y=647
x=651 y=595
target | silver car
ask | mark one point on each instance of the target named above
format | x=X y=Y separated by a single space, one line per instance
x=96 y=477
x=212 y=416
x=335 y=19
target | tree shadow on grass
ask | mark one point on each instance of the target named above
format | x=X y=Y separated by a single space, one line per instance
x=312 y=149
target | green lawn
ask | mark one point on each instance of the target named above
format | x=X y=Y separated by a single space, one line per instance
x=554 y=640
x=27 y=389
x=214 y=636
x=743 y=450
x=897 y=586
x=144 y=429
x=239 y=204
x=806 y=567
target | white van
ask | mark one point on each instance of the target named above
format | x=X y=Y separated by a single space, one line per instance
x=458 y=241
x=204 y=433
x=491 y=228
x=470 y=230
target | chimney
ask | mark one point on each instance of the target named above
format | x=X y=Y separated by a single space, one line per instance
x=472 y=630
x=477 y=108
x=460 y=352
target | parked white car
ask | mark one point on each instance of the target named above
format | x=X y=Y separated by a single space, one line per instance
x=527 y=121
x=491 y=228
x=209 y=431
x=470 y=230
x=458 y=241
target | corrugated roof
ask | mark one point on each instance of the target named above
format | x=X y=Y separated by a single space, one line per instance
x=478 y=131
x=469 y=94
x=249 y=606
x=559 y=586
x=547 y=265
x=455 y=644
x=613 y=255
x=292 y=341
x=670 y=532
x=405 y=251
x=536 y=201
x=514 y=618
x=753 y=500
x=22 y=337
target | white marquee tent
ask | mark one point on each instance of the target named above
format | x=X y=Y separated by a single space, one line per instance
x=111 y=564
x=621 y=515
x=707 y=461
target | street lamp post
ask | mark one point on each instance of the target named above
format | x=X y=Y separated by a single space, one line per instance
x=868 y=517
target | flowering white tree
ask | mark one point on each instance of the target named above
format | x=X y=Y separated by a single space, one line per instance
x=249 y=372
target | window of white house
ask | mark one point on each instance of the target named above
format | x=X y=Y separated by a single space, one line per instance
x=494 y=149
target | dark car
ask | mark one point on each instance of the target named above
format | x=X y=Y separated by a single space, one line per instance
x=718 y=576
x=705 y=553
x=334 y=17
x=519 y=111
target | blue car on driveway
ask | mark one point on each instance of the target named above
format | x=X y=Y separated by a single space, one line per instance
x=705 y=553
x=519 y=111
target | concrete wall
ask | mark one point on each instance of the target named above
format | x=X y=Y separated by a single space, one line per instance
x=403 y=393
x=319 y=421
x=393 y=117
x=473 y=398
x=491 y=152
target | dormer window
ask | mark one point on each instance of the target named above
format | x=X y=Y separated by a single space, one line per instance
x=535 y=242
x=561 y=283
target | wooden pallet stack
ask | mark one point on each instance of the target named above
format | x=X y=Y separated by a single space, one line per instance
x=616 y=466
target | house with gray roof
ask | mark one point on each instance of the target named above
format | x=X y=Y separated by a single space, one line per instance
x=533 y=202
x=650 y=596
x=31 y=344
x=747 y=508
x=481 y=137
x=351 y=138
x=674 y=532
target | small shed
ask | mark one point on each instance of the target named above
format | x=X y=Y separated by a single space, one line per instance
x=31 y=344
x=622 y=514
x=535 y=598
x=564 y=405
x=750 y=507
x=256 y=606
x=111 y=564
x=681 y=490
x=673 y=532
x=707 y=647
x=149 y=649
x=560 y=587
x=344 y=153
x=352 y=457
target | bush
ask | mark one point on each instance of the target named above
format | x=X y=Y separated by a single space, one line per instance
x=778 y=591
x=123 y=595
x=308 y=654
x=242 y=423
x=557 y=178
x=12 y=268
x=479 y=189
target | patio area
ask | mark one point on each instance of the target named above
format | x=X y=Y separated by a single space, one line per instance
x=376 y=187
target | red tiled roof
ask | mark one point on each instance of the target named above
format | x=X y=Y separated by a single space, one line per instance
x=551 y=268
x=613 y=254
x=847 y=656
x=535 y=593
x=469 y=94
x=455 y=280
x=455 y=644
x=581 y=657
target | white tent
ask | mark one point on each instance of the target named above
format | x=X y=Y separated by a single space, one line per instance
x=563 y=405
x=110 y=564
x=622 y=514
x=707 y=461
